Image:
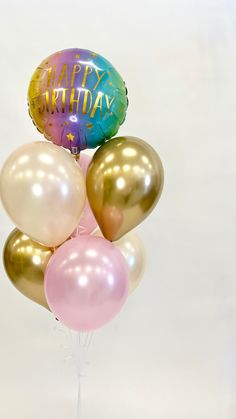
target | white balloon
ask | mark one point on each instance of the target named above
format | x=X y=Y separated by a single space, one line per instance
x=43 y=191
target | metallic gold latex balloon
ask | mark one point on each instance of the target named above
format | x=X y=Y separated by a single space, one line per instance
x=124 y=183
x=25 y=262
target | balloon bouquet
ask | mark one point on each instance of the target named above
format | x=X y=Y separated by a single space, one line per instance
x=57 y=196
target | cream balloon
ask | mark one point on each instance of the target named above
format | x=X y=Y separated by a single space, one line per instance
x=132 y=248
x=43 y=191
x=133 y=251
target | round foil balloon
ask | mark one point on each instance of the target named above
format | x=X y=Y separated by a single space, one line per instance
x=77 y=99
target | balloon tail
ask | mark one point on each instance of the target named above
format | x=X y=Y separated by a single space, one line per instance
x=83 y=342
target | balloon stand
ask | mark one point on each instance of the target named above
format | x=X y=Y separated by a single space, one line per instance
x=76 y=346
x=82 y=345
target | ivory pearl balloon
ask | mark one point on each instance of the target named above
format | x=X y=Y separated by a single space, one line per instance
x=43 y=191
x=132 y=248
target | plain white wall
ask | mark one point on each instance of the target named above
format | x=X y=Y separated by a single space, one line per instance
x=171 y=352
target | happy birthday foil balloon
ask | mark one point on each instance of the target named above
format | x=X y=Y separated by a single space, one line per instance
x=77 y=99
x=25 y=262
x=124 y=183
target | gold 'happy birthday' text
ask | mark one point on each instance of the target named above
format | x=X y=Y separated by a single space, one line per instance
x=62 y=96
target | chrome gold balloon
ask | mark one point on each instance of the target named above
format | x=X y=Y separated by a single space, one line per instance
x=124 y=183
x=25 y=262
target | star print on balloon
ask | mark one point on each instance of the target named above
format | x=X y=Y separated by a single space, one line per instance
x=77 y=99
x=70 y=137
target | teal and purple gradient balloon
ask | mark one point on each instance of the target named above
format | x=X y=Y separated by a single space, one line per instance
x=77 y=99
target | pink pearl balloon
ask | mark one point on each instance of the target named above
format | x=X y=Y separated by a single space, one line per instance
x=86 y=282
x=87 y=223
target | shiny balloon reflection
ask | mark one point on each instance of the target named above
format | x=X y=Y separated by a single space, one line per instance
x=25 y=263
x=124 y=183
x=86 y=282
x=43 y=191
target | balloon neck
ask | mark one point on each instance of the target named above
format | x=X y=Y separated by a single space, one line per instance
x=76 y=156
x=75 y=151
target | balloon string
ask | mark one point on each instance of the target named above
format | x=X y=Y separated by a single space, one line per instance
x=83 y=342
